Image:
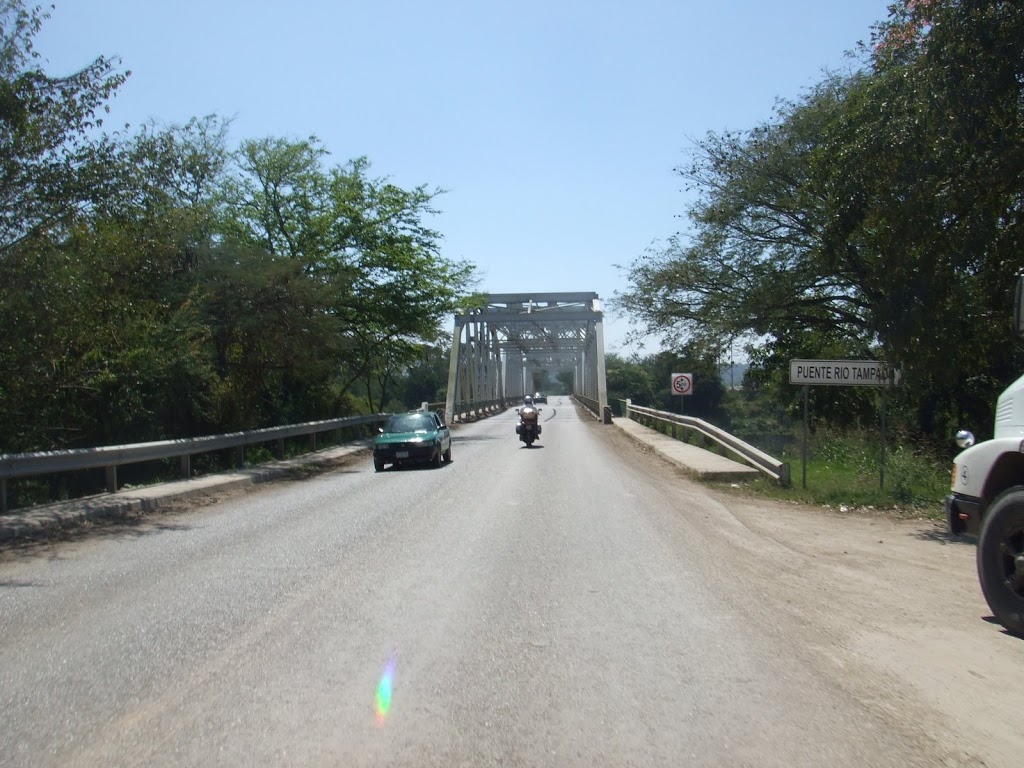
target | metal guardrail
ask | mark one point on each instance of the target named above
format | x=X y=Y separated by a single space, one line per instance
x=757 y=458
x=15 y=465
x=466 y=411
x=110 y=457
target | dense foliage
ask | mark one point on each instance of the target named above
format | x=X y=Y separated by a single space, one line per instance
x=162 y=284
x=646 y=381
x=878 y=216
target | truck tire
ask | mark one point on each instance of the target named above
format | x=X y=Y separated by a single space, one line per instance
x=1001 y=559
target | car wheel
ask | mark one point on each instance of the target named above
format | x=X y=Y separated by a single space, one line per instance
x=378 y=464
x=448 y=455
x=1001 y=559
x=436 y=461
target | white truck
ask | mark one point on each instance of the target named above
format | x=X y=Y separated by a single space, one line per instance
x=987 y=499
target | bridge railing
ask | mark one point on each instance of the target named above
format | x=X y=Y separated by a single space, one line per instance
x=467 y=411
x=706 y=432
x=594 y=406
x=110 y=457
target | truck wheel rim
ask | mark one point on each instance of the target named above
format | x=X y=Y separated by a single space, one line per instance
x=1012 y=551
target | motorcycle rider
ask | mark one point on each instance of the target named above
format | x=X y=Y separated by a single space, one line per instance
x=528 y=417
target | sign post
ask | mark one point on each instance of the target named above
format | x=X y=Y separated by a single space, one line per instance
x=682 y=384
x=845 y=373
x=803 y=453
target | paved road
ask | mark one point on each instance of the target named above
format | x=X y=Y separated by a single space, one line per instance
x=568 y=604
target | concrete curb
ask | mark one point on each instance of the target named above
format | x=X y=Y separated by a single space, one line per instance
x=697 y=462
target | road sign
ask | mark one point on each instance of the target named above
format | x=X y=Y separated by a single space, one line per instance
x=682 y=383
x=843 y=373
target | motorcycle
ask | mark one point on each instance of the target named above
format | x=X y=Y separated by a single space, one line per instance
x=528 y=427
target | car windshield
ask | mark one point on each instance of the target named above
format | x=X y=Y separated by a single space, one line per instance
x=409 y=422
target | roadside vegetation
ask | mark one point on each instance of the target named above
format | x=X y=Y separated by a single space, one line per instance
x=844 y=465
x=844 y=473
x=163 y=282
x=878 y=216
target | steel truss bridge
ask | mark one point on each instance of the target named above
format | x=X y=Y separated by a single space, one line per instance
x=500 y=349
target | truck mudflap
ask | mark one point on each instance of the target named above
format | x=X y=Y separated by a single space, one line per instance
x=963 y=514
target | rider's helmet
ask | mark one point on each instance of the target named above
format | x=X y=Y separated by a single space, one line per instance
x=527 y=400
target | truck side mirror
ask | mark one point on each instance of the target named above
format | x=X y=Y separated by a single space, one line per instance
x=964 y=439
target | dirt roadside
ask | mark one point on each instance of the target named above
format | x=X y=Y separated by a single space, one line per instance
x=893 y=609
x=889 y=609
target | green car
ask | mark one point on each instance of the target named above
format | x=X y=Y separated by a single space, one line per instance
x=412 y=437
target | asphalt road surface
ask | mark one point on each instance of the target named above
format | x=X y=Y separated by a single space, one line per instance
x=577 y=603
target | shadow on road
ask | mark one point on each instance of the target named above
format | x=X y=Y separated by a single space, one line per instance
x=133 y=525
x=11 y=584
x=1005 y=631
x=943 y=536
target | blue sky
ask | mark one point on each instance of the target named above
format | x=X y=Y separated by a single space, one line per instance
x=554 y=127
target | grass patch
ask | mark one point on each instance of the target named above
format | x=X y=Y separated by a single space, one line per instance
x=844 y=471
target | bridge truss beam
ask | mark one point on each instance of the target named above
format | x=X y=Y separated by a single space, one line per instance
x=496 y=347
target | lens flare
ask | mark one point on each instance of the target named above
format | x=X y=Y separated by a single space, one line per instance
x=384 y=692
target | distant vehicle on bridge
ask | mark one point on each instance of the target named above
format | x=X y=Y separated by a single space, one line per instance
x=540 y=397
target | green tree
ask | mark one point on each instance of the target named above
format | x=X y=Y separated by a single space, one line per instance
x=878 y=216
x=389 y=286
x=275 y=343
x=708 y=390
x=567 y=378
x=52 y=173
x=425 y=379
x=280 y=200
x=163 y=286
x=627 y=379
x=101 y=355
x=925 y=170
x=751 y=264
x=50 y=167
x=117 y=350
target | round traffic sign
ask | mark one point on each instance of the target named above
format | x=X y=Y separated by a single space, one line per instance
x=682 y=383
